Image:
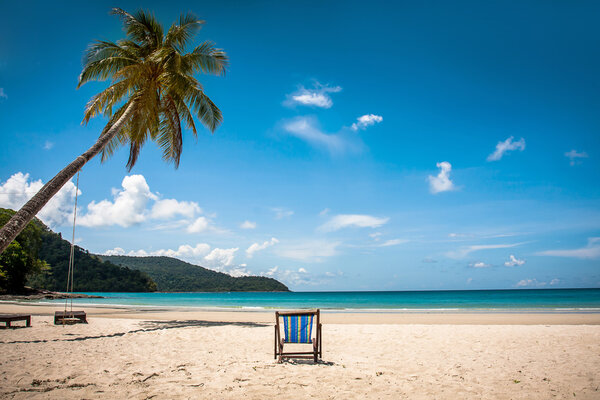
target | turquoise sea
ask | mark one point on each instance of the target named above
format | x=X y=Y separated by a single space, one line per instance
x=585 y=300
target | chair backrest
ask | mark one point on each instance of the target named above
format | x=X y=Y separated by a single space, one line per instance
x=297 y=328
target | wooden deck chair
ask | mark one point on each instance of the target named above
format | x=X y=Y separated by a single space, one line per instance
x=298 y=329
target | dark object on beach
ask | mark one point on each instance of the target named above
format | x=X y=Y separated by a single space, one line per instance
x=69 y=317
x=297 y=329
x=8 y=318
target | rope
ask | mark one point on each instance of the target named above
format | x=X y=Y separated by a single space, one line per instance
x=72 y=255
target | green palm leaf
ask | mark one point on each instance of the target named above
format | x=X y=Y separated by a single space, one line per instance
x=152 y=74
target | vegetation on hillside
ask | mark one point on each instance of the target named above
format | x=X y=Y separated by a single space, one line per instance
x=173 y=275
x=40 y=258
x=20 y=259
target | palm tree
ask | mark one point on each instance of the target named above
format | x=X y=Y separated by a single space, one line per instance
x=153 y=90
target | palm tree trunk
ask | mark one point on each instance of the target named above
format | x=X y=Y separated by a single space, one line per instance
x=18 y=222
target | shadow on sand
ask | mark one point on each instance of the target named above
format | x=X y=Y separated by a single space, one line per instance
x=148 y=326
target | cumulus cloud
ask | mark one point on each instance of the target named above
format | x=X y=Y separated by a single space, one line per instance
x=258 y=247
x=307 y=129
x=441 y=182
x=127 y=208
x=221 y=257
x=514 y=262
x=248 y=225
x=312 y=250
x=217 y=259
x=184 y=252
x=505 y=146
x=575 y=157
x=589 y=252
x=18 y=189
x=200 y=224
x=134 y=203
x=365 y=121
x=479 y=264
x=169 y=208
x=465 y=251
x=318 y=96
x=352 y=220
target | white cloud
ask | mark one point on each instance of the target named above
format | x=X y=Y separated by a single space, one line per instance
x=441 y=182
x=48 y=145
x=479 y=264
x=169 y=208
x=366 y=121
x=248 y=225
x=221 y=257
x=505 y=146
x=258 y=247
x=3 y=94
x=217 y=259
x=298 y=276
x=17 y=190
x=184 y=252
x=307 y=129
x=324 y=212
x=281 y=213
x=575 y=156
x=530 y=283
x=555 y=281
x=590 y=252
x=464 y=251
x=393 y=242
x=318 y=96
x=352 y=220
x=117 y=251
x=200 y=224
x=127 y=209
x=513 y=262
x=312 y=250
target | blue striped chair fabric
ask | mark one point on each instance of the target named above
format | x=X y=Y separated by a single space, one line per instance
x=298 y=328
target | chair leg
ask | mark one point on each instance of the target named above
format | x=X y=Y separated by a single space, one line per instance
x=315 y=352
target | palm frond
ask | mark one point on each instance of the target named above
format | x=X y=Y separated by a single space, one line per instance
x=154 y=80
x=141 y=27
x=179 y=35
x=206 y=110
x=206 y=58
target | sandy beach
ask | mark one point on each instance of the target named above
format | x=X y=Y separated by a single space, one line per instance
x=180 y=354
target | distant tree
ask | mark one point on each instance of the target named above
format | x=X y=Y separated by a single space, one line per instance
x=20 y=259
x=153 y=90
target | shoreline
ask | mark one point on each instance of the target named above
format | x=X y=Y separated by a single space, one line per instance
x=395 y=317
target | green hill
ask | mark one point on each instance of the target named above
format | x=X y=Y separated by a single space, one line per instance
x=90 y=272
x=173 y=275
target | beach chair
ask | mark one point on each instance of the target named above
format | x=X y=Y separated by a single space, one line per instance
x=298 y=329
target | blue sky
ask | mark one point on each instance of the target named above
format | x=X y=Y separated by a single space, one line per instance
x=396 y=146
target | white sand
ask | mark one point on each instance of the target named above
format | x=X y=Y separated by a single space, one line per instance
x=128 y=358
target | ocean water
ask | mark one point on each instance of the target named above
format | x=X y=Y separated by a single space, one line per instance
x=587 y=300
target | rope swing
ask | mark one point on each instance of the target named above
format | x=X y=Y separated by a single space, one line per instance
x=68 y=316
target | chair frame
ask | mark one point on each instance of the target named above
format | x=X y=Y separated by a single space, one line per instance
x=317 y=351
